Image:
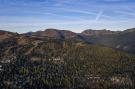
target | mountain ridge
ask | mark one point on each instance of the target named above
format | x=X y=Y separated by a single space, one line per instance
x=121 y=40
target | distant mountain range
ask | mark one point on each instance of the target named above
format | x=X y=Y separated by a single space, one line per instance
x=121 y=40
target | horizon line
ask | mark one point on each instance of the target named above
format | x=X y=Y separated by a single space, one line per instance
x=67 y=30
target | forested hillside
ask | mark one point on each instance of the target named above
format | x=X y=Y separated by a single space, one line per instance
x=37 y=63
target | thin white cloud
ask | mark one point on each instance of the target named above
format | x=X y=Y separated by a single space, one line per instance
x=126 y=13
x=78 y=11
x=114 y=0
x=61 y=22
x=99 y=15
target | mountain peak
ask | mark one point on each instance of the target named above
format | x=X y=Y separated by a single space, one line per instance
x=4 y=32
x=50 y=29
x=54 y=33
x=6 y=35
x=130 y=30
x=90 y=32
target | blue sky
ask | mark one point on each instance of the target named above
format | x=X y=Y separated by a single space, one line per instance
x=76 y=15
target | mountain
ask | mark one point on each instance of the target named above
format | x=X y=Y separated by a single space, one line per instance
x=91 y=32
x=7 y=35
x=130 y=30
x=54 y=33
x=122 y=40
x=50 y=59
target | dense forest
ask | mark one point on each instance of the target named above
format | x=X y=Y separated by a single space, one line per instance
x=63 y=64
